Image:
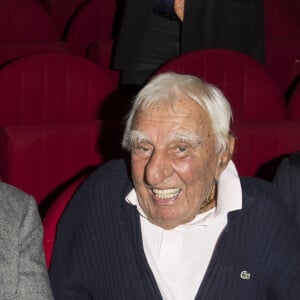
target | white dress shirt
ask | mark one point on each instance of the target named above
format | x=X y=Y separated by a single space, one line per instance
x=179 y=257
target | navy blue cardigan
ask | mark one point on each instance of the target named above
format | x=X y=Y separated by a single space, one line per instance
x=99 y=254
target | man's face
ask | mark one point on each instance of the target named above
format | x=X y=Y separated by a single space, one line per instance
x=174 y=161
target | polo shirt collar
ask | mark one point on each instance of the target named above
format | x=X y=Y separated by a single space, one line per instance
x=229 y=198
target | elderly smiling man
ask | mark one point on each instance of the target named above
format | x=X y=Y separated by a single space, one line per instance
x=177 y=222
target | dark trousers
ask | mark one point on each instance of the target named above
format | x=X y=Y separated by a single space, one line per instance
x=159 y=44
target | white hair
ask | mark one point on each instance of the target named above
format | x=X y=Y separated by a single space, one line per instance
x=166 y=87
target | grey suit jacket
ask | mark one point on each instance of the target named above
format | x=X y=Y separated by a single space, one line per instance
x=23 y=273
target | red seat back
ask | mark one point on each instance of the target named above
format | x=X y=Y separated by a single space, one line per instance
x=100 y=52
x=14 y=50
x=25 y=21
x=94 y=21
x=294 y=104
x=294 y=6
x=61 y=12
x=260 y=146
x=282 y=39
x=54 y=87
x=244 y=81
x=40 y=159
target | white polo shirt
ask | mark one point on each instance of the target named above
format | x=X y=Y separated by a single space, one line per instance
x=179 y=257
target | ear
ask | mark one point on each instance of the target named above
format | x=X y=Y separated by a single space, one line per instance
x=225 y=156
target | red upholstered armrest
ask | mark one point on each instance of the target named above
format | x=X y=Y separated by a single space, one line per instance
x=53 y=215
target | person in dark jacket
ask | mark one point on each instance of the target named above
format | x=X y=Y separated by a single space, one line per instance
x=176 y=222
x=154 y=31
x=287 y=180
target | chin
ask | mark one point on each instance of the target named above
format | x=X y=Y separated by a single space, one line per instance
x=167 y=223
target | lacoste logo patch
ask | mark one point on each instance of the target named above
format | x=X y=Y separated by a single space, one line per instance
x=245 y=275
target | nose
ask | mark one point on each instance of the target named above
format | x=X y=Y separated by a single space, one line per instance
x=158 y=168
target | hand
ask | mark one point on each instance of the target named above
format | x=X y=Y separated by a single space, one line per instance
x=179 y=9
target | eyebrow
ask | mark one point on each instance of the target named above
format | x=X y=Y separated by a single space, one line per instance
x=185 y=136
x=136 y=136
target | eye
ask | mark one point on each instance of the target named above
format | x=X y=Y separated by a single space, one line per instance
x=142 y=150
x=181 y=148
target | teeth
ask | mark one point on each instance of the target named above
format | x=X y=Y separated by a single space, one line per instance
x=166 y=194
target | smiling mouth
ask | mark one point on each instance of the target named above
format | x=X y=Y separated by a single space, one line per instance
x=165 y=195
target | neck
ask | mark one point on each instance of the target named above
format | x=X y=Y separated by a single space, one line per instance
x=210 y=201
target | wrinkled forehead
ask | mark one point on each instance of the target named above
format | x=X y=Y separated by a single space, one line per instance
x=181 y=108
x=182 y=120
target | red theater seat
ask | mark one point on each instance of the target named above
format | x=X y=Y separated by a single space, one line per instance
x=282 y=39
x=53 y=216
x=260 y=146
x=101 y=54
x=94 y=21
x=245 y=82
x=40 y=159
x=294 y=104
x=54 y=87
x=294 y=6
x=14 y=50
x=61 y=11
x=25 y=21
x=283 y=59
